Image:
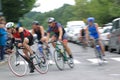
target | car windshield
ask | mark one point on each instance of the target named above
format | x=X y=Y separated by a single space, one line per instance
x=106 y=30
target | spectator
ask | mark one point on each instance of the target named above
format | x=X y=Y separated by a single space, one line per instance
x=3 y=38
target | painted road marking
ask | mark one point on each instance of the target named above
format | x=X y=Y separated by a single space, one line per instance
x=116 y=59
x=75 y=62
x=95 y=61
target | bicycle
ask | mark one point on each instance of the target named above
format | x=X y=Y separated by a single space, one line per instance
x=83 y=42
x=40 y=61
x=98 y=51
x=61 y=57
x=18 y=63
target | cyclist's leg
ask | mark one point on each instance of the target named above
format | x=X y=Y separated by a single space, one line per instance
x=80 y=38
x=91 y=38
x=25 y=51
x=25 y=44
x=65 y=44
x=54 y=38
x=102 y=47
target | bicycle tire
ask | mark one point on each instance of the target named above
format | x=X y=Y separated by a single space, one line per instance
x=18 y=67
x=41 y=64
x=99 y=57
x=59 y=60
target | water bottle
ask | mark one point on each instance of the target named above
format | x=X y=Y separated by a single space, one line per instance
x=40 y=48
x=98 y=47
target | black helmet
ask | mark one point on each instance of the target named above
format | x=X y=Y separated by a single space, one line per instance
x=36 y=23
x=51 y=19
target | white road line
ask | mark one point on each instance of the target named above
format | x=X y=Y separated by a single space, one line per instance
x=75 y=62
x=114 y=74
x=95 y=61
x=116 y=59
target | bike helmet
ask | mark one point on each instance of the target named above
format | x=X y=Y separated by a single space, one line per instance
x=90 y=19
x=51 y=19
x=10 y=25
x=36 y=23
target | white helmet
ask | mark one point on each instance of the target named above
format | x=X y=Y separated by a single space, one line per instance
x=10 y=25
x=51 y=19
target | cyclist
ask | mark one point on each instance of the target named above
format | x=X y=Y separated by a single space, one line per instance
x=26 y=40
x=39 y=30
x=93 y=32
x=82 y=36
x=59 y=34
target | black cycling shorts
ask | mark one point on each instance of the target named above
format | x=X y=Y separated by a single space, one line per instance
x=30 y=40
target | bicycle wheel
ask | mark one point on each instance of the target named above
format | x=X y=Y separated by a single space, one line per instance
x=99 y=56
x=40 y=63
x=58 y=57
x=17 y=64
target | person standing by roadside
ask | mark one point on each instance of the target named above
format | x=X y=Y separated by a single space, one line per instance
x=3 y=38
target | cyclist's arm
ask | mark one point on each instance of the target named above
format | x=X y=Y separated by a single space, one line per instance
x=96 y=25
x=87 y=34
x=42 y=31
x=48 y=36
x=21 y=34
x=60 y=32
x=32 y=32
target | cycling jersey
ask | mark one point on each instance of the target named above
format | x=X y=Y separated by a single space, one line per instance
x=38 y=32
x=56 y=29
x=17 y=34
x=22 y=35
x=93 y=31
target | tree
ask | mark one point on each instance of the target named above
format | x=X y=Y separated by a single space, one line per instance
x=13 y=9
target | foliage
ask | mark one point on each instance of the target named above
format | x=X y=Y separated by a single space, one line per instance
x=13 y=9
x=103 y=10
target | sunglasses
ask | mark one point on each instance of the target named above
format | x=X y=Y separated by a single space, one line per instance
x=49 y=22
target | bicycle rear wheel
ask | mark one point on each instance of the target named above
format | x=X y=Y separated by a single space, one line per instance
x=17 y=64
x=40 y=63
x=58 y=57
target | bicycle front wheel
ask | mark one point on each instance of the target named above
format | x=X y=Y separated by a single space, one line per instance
x=17 y=64
x=58 y=57
x=40 y=63
x=99 y=56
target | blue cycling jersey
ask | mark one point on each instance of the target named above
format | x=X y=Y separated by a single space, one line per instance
x=93 y=31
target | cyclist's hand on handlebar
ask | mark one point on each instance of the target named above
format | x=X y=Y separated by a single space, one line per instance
x=60 y=39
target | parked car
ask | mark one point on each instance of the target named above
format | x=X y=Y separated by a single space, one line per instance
x=105 y=36
x=101 y=30
x=114 y=43
x=73 y=34
x=73 y=30
x=75 y=23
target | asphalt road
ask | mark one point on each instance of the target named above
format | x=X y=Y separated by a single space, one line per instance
x=86 y=68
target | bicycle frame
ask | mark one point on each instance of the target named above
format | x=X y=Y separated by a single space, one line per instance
x=61 y=51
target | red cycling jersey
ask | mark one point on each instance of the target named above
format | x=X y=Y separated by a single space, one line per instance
x=17 y=34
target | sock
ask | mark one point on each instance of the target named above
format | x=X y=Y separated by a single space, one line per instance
x=70 y=56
